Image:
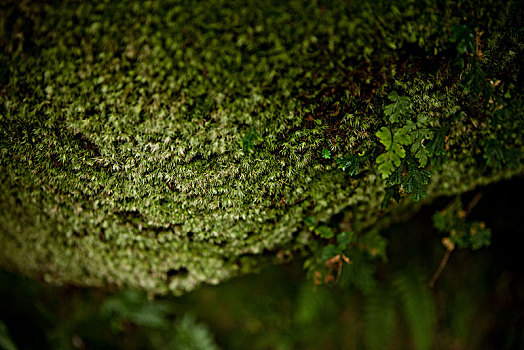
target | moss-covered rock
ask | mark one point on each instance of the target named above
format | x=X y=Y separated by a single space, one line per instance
x=160 y=145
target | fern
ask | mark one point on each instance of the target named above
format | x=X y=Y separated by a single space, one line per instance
x=396 y=177
x=392 y=192
x=461 y=311
x=418 y=308
x=311 y=304
x=326 y=153
x=464 y=37
x=419 y=132
x=351 y=164
x=191 y=335
x=389 y=161
x=324 y=231
x=360 y=274
x=379 y=316
x=133 y=306
x=415 y=181
x=400 y=106
x=437 y=145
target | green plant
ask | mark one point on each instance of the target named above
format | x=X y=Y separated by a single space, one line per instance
x=380 y=319
x=131 y=306
x=351 y=164
x=399 y=107
x=405 y=298
x=326 y=154
x=248 y=141
x=417 y=305
x=6 y=343
x=461 y=232
x=395 y=152
x=335 y=252
x=192 y=335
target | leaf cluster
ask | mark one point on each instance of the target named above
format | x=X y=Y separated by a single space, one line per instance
x=411 y=140
x=351 y=164
x=335 y=253
x=461 y=232
x=394 y=144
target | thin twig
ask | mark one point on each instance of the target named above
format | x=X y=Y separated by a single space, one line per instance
x=441 y=267
x=449 y=248
x=473 y=202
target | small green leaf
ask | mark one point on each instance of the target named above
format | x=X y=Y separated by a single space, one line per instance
x=385 y=137
x=393 y=96
x=440 y=221
x=310 y=221
x=400 y=107
x=462 y=233
x=437 y=145
x=421 y=152
x=385 y=165
x=326 y=154
x=324 y=231
x=464 y=37
x=387 y=162
x=402 y=138
x=374 y=244
x=479 y=236
x=248 y=142
x=329 y=251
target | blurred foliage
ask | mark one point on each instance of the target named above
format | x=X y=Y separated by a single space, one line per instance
x=476 y=303
x=452 y=220
x=5 y=341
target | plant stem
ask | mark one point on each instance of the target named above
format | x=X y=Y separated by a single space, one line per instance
x=440 y=268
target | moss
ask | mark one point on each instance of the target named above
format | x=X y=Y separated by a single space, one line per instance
x=122 y=126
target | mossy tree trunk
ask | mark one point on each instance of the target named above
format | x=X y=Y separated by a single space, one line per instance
x=160 y=146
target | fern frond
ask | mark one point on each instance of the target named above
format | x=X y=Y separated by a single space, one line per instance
x=311 y=302
x=417 y=306
x=415 y=181
x=379 y=315
x=192 y=335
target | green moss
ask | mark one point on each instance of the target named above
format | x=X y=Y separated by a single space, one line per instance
x=123 y=129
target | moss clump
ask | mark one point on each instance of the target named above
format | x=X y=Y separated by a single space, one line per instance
x=123 y=157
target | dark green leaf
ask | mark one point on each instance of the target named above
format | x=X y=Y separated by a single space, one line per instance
x=324 y=231
x=351 y=164
x=329 y=251
x=415 y=181
x=391 y=193
x=310 y=221
x=248 y=142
